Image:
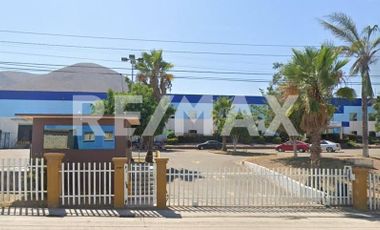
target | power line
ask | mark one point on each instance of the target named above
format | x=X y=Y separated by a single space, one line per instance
x=123 y=68
x=150 y=40
x=95 y=59
x=145 y=50
x=32 y=64
x=249 y=80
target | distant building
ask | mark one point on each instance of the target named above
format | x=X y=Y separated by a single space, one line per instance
x=56 y=92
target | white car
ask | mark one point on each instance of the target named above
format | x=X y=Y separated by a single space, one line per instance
x=330 y=146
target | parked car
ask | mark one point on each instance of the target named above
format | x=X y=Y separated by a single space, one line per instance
x=210 y=145
x=288 y=146
x=330 y=146
x=157 y=145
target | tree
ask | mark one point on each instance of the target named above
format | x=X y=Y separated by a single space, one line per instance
x=106 y=106
x=268 y=115
x=221 y=108
x=363 y=48
x=376 y=107
x=314 y=75
x=153 y=71
x=146 y=109
x=237 y=132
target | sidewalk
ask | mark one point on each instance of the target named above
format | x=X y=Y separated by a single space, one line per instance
x=196 y=218
x=194 y=212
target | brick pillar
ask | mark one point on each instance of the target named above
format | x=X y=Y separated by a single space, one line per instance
x=54 y=161
x=359 y=189
x=118 y=181
x=161 y=182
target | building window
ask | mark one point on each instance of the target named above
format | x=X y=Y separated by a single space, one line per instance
x=24 y=135
x=355 y=133
x=371 y=117
x=353 y=116
x=372 y=134
x=89 y=136
x=193 y=131
x=108 y=136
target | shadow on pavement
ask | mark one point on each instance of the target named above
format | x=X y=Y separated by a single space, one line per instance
x=62 y=212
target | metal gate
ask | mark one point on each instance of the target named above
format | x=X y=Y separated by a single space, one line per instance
x=86 y=184
x=140 y=185
x=259 y=187
x=374 y=191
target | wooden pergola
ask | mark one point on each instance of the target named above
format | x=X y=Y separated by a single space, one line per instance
x=121 y=148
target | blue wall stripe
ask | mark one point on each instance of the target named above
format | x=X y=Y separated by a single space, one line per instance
x=45 y=95
x=176 y=98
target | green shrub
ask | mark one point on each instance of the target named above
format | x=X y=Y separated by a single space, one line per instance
x=196 y=138
x=171 y=134
x=349 y=144
x=277 y=140
x=172 y=141
x=259 y=140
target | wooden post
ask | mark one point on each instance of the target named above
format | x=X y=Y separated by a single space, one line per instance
x=161 y=182
x=359 y=189
x=118 y=181
x=54 y=161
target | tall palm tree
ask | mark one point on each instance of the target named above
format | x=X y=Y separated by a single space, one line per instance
x=314 y=75
x=363 y=48
x=221 y=108
x=153 y=71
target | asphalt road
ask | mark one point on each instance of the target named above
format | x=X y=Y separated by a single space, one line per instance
x=268 y=223
x=204 y=159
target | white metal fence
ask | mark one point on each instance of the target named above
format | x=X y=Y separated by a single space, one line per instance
x=22 y=180
x=374 y=191
x=140 y=184
x=247 y=187
x=87 y=184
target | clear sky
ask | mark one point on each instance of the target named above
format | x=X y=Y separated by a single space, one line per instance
x=272 y=22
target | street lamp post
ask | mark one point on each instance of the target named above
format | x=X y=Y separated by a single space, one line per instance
x=132 y=60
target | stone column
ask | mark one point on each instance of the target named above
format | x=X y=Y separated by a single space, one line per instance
x=54 y=182
x=118 y=181
x=359 y=189
x=161 y=182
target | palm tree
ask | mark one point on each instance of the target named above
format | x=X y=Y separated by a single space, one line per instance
x=221 y=108
x=314 y=75
x=153 y=71
x=363 y=48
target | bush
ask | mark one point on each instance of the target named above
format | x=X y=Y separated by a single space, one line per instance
x=259 y=140
x=195 y=138
x=171 y=134
x=172 y=141
x=277 y=140
x=349 y=144
x=374 y=140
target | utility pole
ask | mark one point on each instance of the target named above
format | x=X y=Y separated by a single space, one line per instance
x=132 y=59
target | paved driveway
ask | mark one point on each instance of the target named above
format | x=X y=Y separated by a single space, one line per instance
x=201 y=159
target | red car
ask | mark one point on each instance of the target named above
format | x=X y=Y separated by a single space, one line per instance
x=288 y=146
